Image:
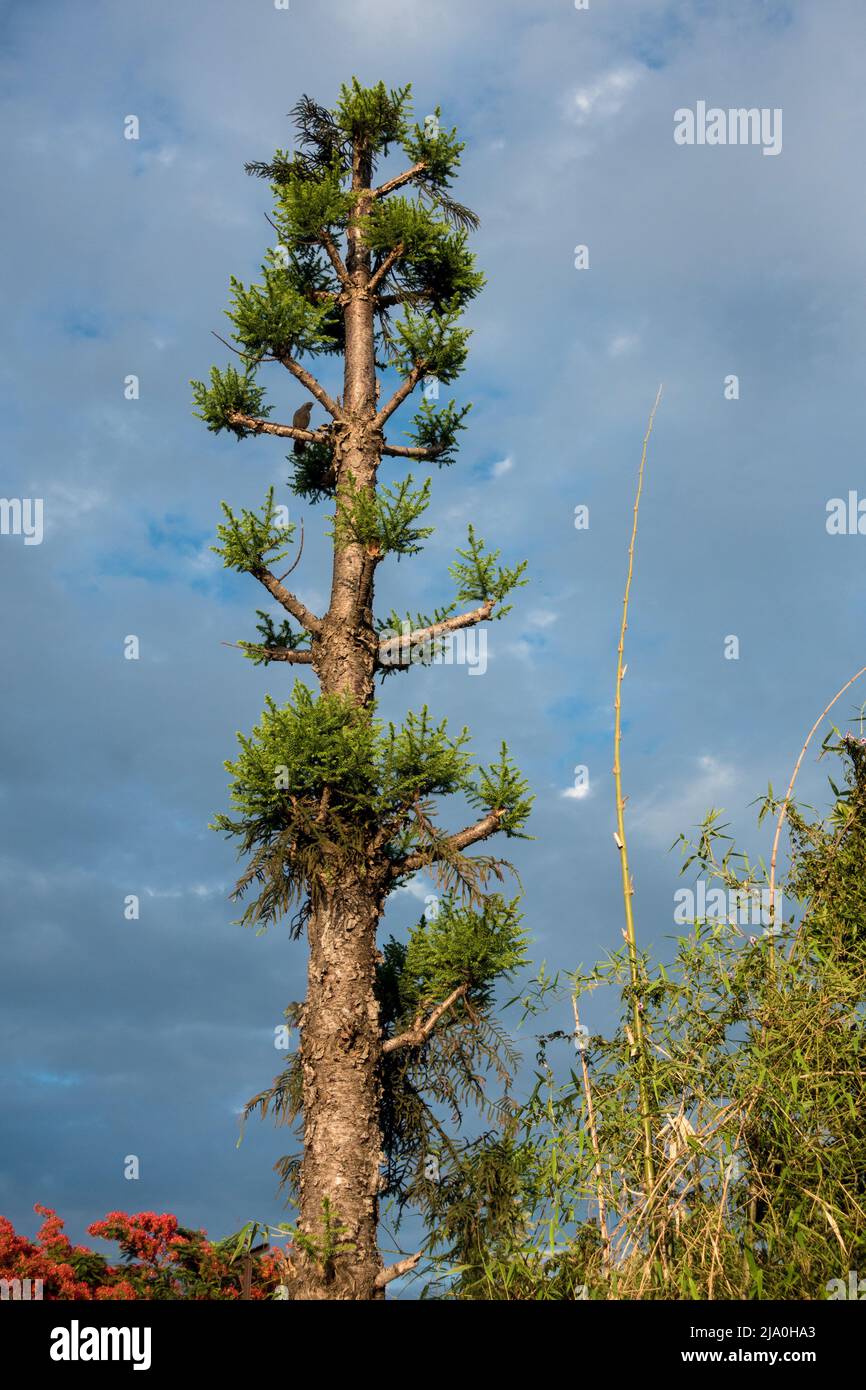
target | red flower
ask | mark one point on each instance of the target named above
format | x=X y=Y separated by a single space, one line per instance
x=160 y=1261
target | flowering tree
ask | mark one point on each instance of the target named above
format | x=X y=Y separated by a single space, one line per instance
x=161 y=1260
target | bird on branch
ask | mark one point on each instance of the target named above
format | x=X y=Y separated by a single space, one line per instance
x=301 y=421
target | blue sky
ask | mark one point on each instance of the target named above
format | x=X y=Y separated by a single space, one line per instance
x=147 y=1037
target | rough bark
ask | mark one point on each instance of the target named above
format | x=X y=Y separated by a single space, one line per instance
x=341 y=1045
x=341 y=1051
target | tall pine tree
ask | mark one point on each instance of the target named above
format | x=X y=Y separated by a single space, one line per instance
x=333 y=809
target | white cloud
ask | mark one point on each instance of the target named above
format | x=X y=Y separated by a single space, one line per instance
x=603 y=98
x=502 y=467
x=65 y=506
x=542 y=617
x=623 y=343
x=203 y=560
x=196 y=890
x=164 y=157
x=417 y=887
x=461 y=511
x=577 y=793
x=678 y=808
x=520 y=650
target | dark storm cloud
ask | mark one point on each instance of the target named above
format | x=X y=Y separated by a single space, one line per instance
x=147 y=1036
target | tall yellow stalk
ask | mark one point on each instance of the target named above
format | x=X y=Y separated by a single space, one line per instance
x=638 y=1031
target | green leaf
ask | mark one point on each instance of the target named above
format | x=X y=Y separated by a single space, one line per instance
x=250 y=541
x=229 y=392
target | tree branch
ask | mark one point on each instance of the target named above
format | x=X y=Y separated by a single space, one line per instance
x=419 y=1034
x=312 y=295
x=246 y=356
x=334 y=257
x=394 y=1271
x=293 y=605
x=299 y=658
x=399 y=451
x=257 y=426
x=387 y=301
x=309 y=381
x=460 y=620
x=481 y=830
x=297 y=559
x=406 y=177
x=399 y=396
x=390 y=260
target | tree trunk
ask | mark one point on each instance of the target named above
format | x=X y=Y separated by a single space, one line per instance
x=340 y=1033
x=341 y=1051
